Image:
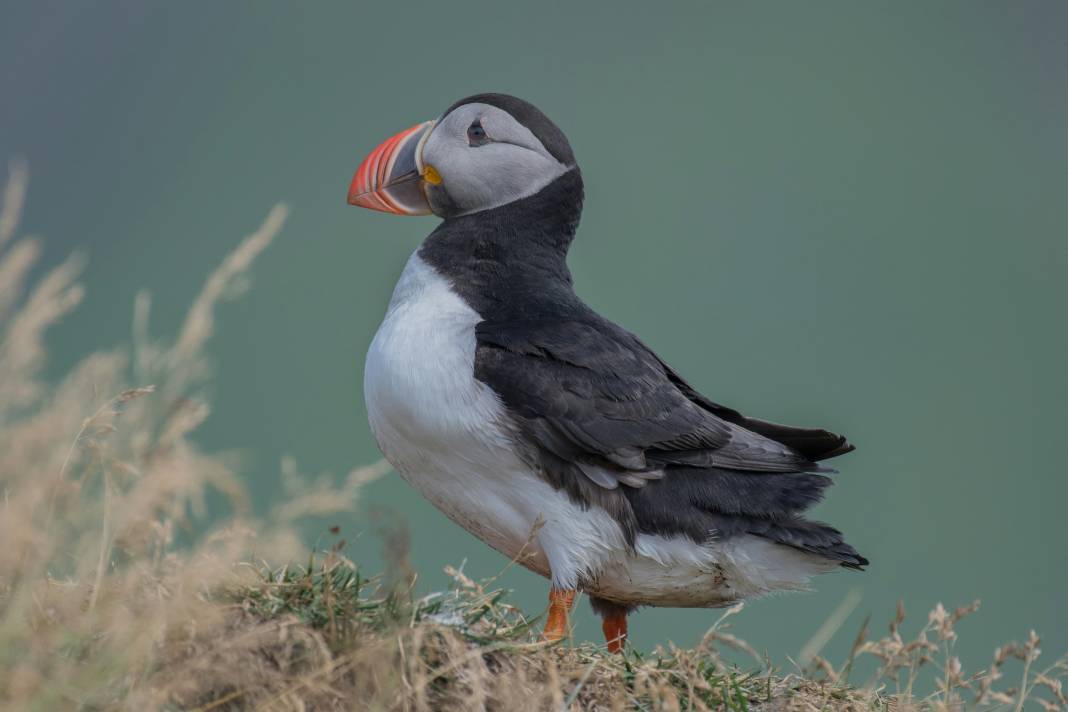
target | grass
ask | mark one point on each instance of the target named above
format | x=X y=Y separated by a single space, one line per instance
x=333 y=639
x=118 y=593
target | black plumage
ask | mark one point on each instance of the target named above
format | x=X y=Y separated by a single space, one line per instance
x=595 y=411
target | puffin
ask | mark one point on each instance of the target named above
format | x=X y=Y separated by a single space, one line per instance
x=549 y=432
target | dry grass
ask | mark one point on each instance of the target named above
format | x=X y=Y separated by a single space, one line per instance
x=117 y=593
x=99 y=480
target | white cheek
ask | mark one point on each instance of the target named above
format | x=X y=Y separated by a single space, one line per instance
x=484 y=177
x=498 y=174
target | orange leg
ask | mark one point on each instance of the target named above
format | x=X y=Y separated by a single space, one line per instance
x=556 y=626
x=615 y=631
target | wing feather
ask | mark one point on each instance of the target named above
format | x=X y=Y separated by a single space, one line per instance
x=593 y=395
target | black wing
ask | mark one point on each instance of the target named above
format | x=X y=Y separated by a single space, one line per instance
x=590 y=393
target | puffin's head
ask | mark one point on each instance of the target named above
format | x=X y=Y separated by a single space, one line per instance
x=485 y=151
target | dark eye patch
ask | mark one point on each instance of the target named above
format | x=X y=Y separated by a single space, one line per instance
x=476 y=135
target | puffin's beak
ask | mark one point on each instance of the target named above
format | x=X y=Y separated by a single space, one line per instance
x=392 y=178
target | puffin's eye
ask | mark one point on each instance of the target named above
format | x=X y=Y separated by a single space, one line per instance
x=476 y=135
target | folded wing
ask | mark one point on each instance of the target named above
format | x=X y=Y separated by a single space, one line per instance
x=592 y=394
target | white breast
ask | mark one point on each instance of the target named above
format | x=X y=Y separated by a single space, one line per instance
x=447 y=435
x=422 y=398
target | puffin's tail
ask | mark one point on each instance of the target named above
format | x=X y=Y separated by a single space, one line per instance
x=802 y=534
x=732 y=503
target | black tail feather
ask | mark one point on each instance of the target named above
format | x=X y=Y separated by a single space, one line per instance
x=802 y=534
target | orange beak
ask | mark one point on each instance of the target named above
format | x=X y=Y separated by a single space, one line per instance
x=390 y=178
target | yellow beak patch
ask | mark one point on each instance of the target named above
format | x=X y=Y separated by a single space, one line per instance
x=431 y=175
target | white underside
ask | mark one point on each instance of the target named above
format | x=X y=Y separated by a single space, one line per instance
x=443 y=431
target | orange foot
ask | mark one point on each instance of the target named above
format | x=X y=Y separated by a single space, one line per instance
x=615 y=631
x=556 y=626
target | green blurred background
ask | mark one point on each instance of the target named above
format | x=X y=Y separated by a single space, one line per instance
x=841 y=214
